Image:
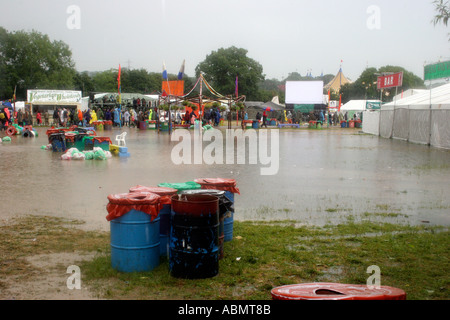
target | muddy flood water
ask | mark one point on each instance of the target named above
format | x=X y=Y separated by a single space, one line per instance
x=325 y=176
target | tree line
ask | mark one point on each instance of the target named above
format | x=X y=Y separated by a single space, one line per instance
x=30 y=60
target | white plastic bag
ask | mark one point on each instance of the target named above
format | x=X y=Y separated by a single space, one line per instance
x=66 y=156
x=78 y=156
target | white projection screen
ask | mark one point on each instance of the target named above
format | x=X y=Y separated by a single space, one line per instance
x=304 y=92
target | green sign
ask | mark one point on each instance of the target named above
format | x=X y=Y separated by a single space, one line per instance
x=373 y=105
x=437 y=71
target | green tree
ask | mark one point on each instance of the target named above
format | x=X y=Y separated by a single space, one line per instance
x=32 y=60
x=442 y=12
x=106 y=81
x=83 y=82
x=221 y=68
x=365 y=87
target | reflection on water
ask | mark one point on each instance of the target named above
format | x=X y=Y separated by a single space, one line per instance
x=324 y=177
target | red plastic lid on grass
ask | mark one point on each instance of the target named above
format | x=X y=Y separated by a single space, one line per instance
x=164 y=192
x=122 y=203
x=336 y=291
x=218 y=184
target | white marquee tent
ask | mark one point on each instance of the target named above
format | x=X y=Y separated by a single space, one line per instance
x=439 y=95
x=422 y=118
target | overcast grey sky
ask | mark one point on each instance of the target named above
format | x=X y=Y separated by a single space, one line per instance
x=282 y=35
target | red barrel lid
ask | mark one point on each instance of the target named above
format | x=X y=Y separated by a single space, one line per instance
x=122 y=203
x=161 y=191
x=216 y=181
x=135 y=198
x=336 y=291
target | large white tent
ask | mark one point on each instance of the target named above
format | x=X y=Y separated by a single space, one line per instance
x=420 y=118
x=435 y=96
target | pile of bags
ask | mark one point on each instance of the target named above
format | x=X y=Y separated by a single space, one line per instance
x=95 y=154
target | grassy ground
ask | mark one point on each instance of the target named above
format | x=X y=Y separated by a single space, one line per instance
x=261 y=256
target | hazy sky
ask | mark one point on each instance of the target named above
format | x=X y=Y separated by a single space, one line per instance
x=282 y=35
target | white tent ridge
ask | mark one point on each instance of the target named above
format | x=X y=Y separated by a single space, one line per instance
x=435 y=96
x=356 y=105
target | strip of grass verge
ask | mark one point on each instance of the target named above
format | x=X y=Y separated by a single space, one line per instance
x=261 y=256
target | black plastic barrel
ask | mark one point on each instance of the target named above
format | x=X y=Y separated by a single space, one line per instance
x=225 y=209
x=58 y=141
x=194 y=236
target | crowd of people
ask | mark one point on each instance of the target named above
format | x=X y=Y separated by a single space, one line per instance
x=21 y=117
x=130 y=116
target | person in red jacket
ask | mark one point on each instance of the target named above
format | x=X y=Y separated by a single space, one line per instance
x=38 y=118
x=80 y=117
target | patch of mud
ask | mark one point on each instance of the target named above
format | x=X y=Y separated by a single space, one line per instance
x=51 y=282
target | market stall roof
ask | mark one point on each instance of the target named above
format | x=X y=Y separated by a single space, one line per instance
x=272 y=105
x=253 y=104
x=125 y=96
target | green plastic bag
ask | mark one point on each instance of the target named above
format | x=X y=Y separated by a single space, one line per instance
x=6 y=139
x=89 y=155
x=99 y=155
x=190 y=185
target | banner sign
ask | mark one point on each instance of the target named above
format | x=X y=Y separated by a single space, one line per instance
x=55 y=96
x=173 y=88
x=437 y=71
x=390 y=81
x=373 y=105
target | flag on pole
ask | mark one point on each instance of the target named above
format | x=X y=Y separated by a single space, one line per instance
x=164 y=74
x=236 y=88
x=119 y=85
x=181 y=73
x=118 y=79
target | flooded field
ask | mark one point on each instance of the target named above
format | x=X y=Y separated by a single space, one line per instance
x=325 y=176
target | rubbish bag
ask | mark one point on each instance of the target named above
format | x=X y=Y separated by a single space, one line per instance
x=88 y=155
x=219 y=184
x=120 y=204
x=189 y=185
x=78 y=156
x=66 y=156
x=99 y=154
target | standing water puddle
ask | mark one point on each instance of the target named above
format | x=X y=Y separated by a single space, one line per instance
x=324 y=177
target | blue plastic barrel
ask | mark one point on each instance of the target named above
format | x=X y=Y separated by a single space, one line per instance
x=194 y=236
x=58 y=141
x=228 y=221
x=164 y=213
x=229 y=186
x=135 y=245
x=164 y=229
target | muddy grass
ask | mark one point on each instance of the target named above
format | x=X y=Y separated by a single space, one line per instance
x=36 y=251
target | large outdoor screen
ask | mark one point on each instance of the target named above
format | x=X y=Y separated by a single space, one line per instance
x=304 y=92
